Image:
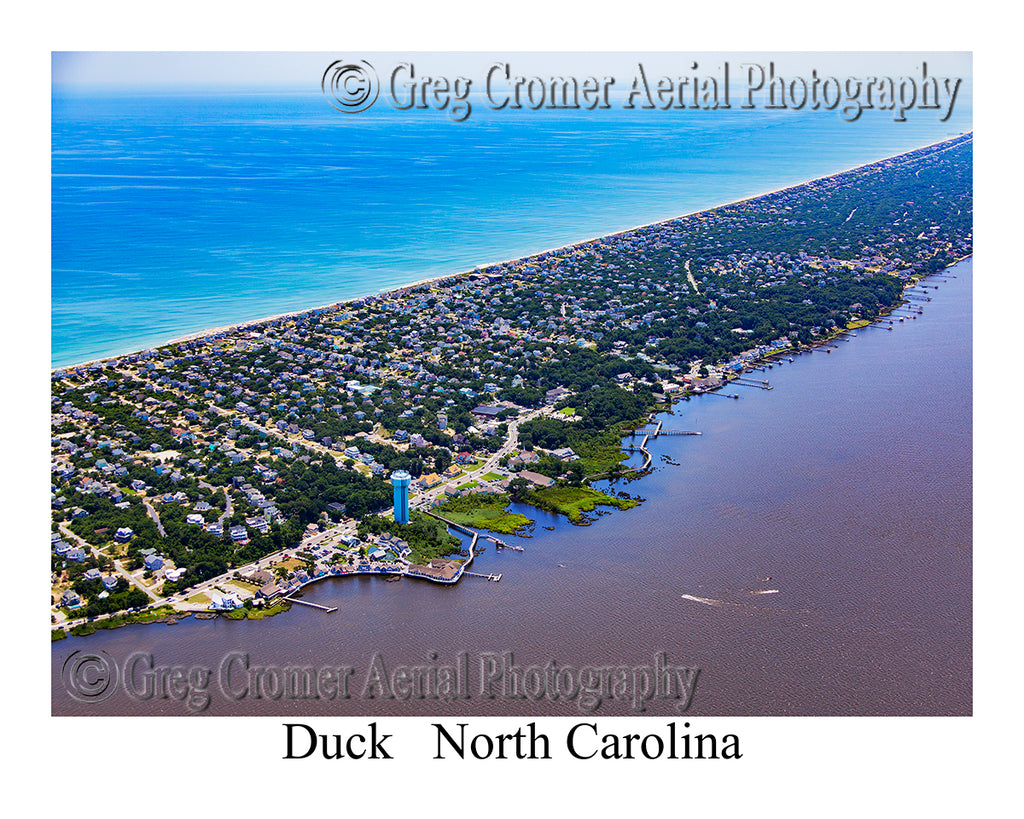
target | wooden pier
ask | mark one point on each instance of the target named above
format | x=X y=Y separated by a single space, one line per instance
x=472 y=547
x=494 y=578
x=501 y=544
x=751 y=382
x=328 y=609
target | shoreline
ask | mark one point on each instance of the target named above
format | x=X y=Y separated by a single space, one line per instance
x=633 y=473
x=636 y=472
x=238 y=325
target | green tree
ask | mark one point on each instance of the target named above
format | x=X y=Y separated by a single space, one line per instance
x=518 y=488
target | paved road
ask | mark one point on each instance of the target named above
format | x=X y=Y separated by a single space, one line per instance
x=511 y=441
x=118 y=569
x=151 y=511
x=689 y=276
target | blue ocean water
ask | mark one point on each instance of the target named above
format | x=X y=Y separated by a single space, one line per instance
x=177 y=213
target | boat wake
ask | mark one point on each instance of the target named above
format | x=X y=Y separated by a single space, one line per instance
x=707 y=601
x=711 y=601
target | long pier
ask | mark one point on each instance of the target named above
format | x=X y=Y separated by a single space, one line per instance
x=494 y=578
x=472 y=546
x=751 y=382
x=328 y=609
x=649 y=433
x=642 y=448
x=501 y=544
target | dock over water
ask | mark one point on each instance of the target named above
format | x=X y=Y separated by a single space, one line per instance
x=328 y=609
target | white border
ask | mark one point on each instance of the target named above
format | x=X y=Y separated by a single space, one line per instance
x=792 y=767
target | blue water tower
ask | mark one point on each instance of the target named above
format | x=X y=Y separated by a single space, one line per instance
x=400 y=480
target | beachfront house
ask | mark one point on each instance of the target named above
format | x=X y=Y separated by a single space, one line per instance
x=226 y=602
x=268 y=591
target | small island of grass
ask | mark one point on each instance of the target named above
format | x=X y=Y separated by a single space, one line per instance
x=490 y=512
x=484 y=511
x=575 y=501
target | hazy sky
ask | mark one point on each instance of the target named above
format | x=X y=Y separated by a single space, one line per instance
x=302 y=69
